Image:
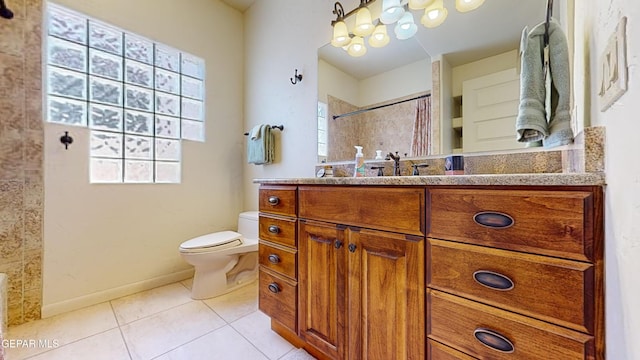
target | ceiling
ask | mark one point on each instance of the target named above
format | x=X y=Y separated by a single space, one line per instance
x=240 y=5
x=493 y=28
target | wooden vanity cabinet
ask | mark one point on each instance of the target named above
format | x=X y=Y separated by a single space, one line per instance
x=277 y=256
x=435 y=272
x=361 y=287
x=515 y=273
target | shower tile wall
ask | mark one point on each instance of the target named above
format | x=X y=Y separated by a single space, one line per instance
x=388 y=129
x=21 y=155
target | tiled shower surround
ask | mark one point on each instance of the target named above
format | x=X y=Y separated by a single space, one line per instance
x=21 y=159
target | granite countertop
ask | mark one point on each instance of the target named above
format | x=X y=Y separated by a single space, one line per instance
x=490 y=179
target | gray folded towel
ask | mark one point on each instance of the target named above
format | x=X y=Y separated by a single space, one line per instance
x=260 y=145
x=537 y=118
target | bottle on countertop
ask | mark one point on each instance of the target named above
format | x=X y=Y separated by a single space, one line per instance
x=359 y=165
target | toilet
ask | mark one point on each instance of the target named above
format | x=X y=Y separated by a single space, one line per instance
x=223 y=260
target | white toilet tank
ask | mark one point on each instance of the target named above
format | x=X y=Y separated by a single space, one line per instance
x=248 y=224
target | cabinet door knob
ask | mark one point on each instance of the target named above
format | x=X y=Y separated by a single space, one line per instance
x=273 y=200
x=493 y=280
x=274 y=259
x=494 y=340
x=274 y=229
x=274 y=288
x=352 y=247
x=338 y=244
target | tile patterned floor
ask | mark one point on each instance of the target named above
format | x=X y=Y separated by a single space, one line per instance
x=162 y=323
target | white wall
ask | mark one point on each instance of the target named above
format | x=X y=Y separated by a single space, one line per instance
x=407 y=80
x=104 y=240
x=283 y=35
x=595 y=22
x=336 y=83
x=410 y=79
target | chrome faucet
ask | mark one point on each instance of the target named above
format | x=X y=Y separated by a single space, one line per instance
x=396 y=162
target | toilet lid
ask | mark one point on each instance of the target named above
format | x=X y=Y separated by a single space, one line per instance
x=217 y=240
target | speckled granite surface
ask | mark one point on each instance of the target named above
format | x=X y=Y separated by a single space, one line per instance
x=501 y=179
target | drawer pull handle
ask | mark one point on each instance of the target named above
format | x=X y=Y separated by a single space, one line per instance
x=352 y=247
x=494 y=220
x=274 y=288
x=493 y=340
x=338 y=244
x=493 y=280
x=274 y=259
x=273 y=200
x=274 y=229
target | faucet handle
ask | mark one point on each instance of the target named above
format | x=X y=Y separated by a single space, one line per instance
x=416 y=171
x=379 y=168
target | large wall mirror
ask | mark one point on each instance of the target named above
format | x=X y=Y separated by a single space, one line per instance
x=469 y=51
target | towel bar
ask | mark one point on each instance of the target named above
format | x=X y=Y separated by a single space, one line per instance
x=279 y=127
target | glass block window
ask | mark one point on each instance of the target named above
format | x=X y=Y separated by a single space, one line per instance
x=139 y=98
x=322 y=130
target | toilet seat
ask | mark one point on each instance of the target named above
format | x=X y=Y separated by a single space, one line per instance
x=212 y=242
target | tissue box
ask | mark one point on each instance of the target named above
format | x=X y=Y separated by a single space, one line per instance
x=454 y=165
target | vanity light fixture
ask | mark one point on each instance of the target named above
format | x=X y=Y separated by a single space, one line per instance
x=393 y=11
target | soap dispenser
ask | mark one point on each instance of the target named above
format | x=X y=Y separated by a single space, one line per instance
x=359 y=165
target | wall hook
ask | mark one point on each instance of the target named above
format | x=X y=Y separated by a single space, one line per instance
x=4 y=11
x=66 y=140
x=298 y=78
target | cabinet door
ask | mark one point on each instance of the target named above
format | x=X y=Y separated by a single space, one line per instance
x=386 y=292
x=322 y=278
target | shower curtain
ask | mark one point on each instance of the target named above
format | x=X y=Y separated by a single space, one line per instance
x=421 y=128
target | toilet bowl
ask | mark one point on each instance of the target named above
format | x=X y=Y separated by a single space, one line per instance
x=224 y=260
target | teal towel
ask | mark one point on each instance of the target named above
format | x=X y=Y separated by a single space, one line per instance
x=260 y=145
x=544 y=112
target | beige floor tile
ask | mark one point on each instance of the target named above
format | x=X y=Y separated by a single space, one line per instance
x=256 y=328
x=236 y=304
x=63 y=329
x=165 y=331
x=133 y=307
x=104 y=346
x=222 y=344
x=297 y=354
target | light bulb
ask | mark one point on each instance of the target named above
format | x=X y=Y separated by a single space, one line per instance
x=364 y=26
x=340 y=35
x=434 y=14
x=357 y=47
x=379 y=38
x=468 y=5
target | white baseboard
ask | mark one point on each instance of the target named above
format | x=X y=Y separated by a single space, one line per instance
x=114 y=293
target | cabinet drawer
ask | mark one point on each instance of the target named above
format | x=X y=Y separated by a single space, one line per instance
x=555 y=290
x=277 y=200
x=556 y=223
x=382 y=208
x=490 y=333
x=278 y=259
x=278 y=230
x=277 y=298
x=437 y=351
